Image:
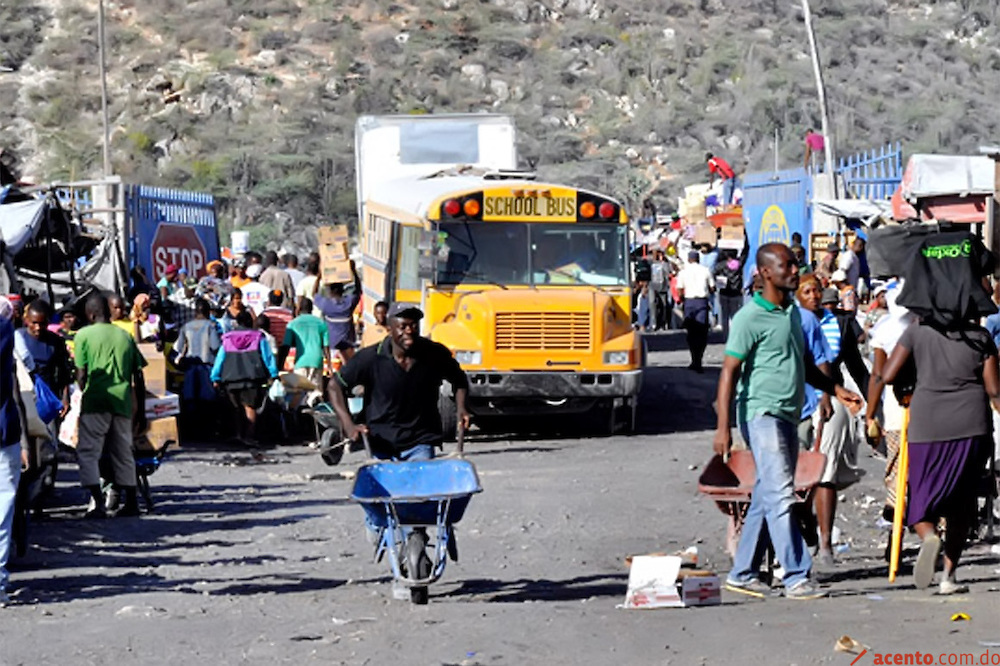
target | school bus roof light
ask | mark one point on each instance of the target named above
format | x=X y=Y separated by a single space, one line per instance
x=587 y=210
x=607 y=210
x=471 y=207
x=452 y=207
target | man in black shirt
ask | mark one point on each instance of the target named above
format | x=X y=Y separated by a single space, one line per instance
x=402 y=377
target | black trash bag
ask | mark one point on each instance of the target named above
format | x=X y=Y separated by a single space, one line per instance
x=944 y=279
x=891 y=247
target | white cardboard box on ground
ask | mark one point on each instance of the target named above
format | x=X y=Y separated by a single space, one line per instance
x=160 y=406
x=653 y=583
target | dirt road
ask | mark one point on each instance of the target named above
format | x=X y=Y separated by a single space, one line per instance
x=267 y=563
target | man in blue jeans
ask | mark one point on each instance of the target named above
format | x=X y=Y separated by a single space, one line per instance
x=402 y=378
x=766 y=354
x=12 y=455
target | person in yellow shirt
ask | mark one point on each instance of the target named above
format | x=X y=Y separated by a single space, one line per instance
x=120 y=317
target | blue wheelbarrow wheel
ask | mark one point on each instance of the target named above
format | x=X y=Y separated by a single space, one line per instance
x=419 y=564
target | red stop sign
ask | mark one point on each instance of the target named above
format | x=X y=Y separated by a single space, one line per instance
x=180 y=245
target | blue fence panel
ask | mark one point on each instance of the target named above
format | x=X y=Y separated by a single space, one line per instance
x=171 y=227
x=775 y=205
x=873 y=174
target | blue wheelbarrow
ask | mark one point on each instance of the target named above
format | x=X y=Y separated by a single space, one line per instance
x=404 y=501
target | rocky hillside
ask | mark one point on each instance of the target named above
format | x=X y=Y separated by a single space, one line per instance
x=255 y=100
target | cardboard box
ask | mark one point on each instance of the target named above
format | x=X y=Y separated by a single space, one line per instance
x=159 y=433
x=704 y=233
x=161 y=406
x=333 y=235
x=702 y=590
x=696 y=214
x=731 y=237
x=656 y=581
x=336 y=271
x=333 y=252
x=155 y=371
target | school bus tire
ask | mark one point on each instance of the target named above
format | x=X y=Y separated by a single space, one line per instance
x=449 y=418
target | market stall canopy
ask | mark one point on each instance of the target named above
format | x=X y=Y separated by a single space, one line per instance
x=867 y=210
x=945 y=187
x=20 y=222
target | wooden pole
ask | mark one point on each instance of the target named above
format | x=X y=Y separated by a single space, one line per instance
x=899 y=511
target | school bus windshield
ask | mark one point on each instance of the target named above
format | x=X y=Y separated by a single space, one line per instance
x=521 y=253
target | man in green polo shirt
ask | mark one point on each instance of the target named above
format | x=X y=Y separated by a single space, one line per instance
x=109 y=370
x=766 y=354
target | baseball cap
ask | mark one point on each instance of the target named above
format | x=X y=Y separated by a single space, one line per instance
x=405 y=311
x=832 y=247
x=830 y=295
x=190 y=282
x=839 y=276
x=171 y=268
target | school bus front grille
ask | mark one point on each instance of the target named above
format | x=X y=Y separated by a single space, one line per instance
x=565 y=331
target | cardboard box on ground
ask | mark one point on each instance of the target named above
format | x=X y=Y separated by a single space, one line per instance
x=161 y=406
x=334 y=260
x=659 y=581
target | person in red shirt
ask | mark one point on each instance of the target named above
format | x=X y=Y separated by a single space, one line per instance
x=720 y=167
x=279 y=316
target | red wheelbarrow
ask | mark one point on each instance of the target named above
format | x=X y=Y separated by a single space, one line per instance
x=730 y=483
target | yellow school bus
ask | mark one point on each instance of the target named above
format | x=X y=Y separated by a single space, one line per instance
x=527 y=283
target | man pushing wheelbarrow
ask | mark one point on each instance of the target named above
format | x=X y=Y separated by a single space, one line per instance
x=766 y=345
x=402 y=377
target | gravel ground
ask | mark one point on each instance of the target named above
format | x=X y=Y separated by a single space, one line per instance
x=267 y=563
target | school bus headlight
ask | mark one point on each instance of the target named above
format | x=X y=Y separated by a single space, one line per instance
x=616 y=358
x=469 y=357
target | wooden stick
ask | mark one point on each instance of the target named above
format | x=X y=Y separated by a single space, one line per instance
x=902 y=472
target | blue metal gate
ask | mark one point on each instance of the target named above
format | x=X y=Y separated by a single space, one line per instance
x=873 y=174
x=171 y=227
x=775 y=205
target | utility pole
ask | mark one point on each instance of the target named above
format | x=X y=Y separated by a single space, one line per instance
x=821 y=92
x=104 y=87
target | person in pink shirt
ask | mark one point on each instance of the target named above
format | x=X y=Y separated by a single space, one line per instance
x=815 y=145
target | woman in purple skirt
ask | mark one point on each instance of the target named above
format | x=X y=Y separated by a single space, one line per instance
x=950 y=434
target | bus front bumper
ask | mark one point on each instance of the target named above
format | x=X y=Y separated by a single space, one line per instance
x=554 y=385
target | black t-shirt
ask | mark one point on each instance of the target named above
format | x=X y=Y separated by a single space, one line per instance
x=402 y=405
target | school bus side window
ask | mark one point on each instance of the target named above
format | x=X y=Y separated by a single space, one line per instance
x=409 y=258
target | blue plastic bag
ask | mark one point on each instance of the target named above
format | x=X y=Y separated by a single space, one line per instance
x=48 y=403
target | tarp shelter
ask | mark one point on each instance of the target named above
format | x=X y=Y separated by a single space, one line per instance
x=866 y=210
x=952 y=188
x=45 y=251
